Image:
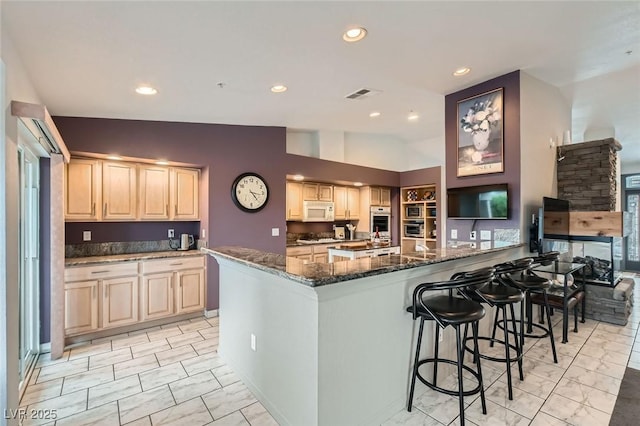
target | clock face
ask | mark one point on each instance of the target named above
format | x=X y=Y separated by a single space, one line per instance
x=250 y=192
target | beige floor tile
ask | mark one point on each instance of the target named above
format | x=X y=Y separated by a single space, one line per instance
x=110 y=338
x=184 y=339
x=193 y=386
x=206 y=346
x=163 y=333
x=109 y=358
x=413 y=418
x=89 y=349
x=64 y=406
x=161 y=376
x=591 y=378
x=130 y=341
x=597 y=365
x=234 y=419
x=87 y=379
x=443 y=408
x=202 y=363
x=543 y=419
x=145 y=403
x=523 y=403
x=56 y=371
x=135 y=366
x=144 y=331
x=192 y=413
x=149 y=348
x=257 y=415
x=175 y=324
x=214 y=321
x=144 y=421
x=587 y=395
x=604 y=355
x=45 y=359
x=104 y=415
x=228 y=399
x=175 y=355
x=225 y=375
x=532 y=384
x=573 y=412
x=40 y=392
x=496 y=415
x=113 y=391
x=608 y=345
x=194 y=326
x=210 y=333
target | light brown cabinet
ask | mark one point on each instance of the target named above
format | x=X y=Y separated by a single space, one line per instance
x=184 y=193
x=83 y=189
x=347 y=203
x=81 y=307
x=379 y=196
x=190 y=291
x=294 y=201
x=153 y=193
x=317 y=192
x=119 y=301
x=119 y=193
x=157 y=296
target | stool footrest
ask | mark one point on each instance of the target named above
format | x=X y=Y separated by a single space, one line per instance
x=490 y=358
x=449 y=391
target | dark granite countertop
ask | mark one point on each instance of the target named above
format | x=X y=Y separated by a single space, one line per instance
x=319 y=274
x=297 y=244
x=78 y=261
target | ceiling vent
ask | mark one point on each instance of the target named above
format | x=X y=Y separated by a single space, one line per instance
x=363 y=93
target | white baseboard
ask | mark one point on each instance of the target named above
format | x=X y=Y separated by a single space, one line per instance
x=45 y=348
x=211 y=314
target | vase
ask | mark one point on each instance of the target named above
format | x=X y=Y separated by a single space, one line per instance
x=481 y=140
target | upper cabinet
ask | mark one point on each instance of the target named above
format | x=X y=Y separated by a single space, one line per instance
x=347 y=203
x=98 y=190
x=184 y=193
x=83 y=187
x=379 y=196
x=119 y=191
x=317 y=192
x=294 y=201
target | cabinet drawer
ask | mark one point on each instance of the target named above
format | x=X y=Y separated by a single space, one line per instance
x=106 y=270
x=172 y=264
x=298 y=251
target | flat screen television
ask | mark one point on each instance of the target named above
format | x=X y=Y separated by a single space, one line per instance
x=555 y=218
x=478 y=202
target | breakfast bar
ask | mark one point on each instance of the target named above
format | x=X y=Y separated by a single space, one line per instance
x=330 y=343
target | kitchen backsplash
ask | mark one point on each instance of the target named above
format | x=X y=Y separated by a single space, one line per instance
x=120 y=247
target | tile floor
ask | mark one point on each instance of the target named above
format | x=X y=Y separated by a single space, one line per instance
x=172 y=375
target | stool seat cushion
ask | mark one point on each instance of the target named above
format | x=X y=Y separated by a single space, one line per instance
x=451 y=310
x=501 y=294
x=530 y=282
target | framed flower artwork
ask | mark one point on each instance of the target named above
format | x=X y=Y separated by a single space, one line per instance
x=480 y=134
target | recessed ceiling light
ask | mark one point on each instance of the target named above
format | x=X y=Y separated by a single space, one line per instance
x=354 y=34
x=462 y=71
x=413 y=116
x=357 y=183
x=298 y=177
x=278 y=88
x=113 y=157
x=146 y=90
x=374 y=114
x=162 y=163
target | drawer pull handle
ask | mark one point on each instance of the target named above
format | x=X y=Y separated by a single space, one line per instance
x=175 y=264
x=176 y=210
x=99 y=272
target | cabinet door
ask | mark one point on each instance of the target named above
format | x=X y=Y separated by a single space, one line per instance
x=321 y=258
x=80 y=307
x=82 y=190
x=154 y=193
x=190 y=293
x=185 y=194
x=385 y=197
x=118 y=191
x=325 y=192
x=157 y=296
x=119 y=301
x=309 y=191
x=353 y=203
x=374 y=196
x=340 y=201
x=294 y=201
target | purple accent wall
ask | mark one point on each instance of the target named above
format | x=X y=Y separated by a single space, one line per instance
x=224 y=151
x=45 y=253
x=511 y=175
x=106 y=232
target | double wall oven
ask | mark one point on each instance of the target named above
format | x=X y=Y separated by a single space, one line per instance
x=381 y=222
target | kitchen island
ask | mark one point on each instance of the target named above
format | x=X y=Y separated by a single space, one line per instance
x=330 y=343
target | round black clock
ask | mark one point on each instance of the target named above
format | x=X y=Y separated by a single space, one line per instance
x=250 y=192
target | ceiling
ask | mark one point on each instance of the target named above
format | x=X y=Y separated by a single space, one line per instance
x=85 y=59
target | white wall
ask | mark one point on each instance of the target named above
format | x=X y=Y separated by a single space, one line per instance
x=18 y=87
x=425 y=153
x=544 y=116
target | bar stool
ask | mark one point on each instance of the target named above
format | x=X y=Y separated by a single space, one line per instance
x=534 y=285
x=501 y=295
x=450 y=310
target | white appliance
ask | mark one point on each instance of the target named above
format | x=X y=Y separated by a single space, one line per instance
x=318 y=211
x=411 y=212
x=381 y=220
x=186 y=241
x=414 y=229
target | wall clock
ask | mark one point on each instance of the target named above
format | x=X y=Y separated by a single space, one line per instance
x=250 y=192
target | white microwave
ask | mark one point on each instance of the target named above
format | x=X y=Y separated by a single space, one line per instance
x=318 y=211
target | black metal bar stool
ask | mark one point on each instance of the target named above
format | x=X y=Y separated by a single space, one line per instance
x=450 y=310
x=535 y=286
x=501 y=295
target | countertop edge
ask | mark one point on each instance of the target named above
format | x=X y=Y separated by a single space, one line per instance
x=130 y=257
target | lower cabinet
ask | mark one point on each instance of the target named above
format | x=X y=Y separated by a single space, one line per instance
x=130 y=292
